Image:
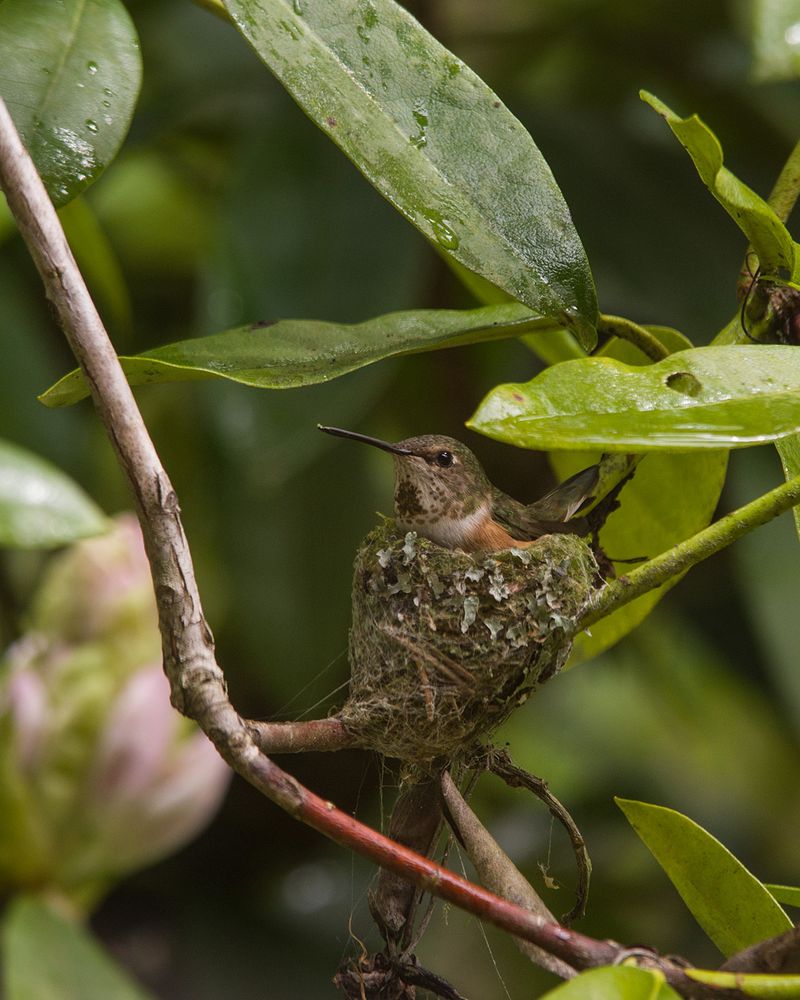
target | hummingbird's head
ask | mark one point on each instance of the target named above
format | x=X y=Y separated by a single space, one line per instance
x=436 y=480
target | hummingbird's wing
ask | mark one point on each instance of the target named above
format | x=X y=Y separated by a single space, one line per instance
x=552 y=514
x=562 y=503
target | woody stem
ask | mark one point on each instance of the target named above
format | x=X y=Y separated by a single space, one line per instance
x=688 y=553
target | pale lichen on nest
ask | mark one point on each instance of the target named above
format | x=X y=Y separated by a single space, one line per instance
x=444 y=644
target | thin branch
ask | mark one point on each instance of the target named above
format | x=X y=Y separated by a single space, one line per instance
x=626 y=329
x=498 y=872
x=776 y=955
x=301 y=737
x=688 y=553
x=499 y=763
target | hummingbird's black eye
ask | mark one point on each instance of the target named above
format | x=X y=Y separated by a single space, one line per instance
x=444 y=459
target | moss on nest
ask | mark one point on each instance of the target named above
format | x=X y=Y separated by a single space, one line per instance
x=445 y=644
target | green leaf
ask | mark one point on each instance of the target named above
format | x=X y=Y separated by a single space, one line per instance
x=71 y=75
x=614 y=982
x=47 y=957
x=434 y=140
x=776 y=39
x=762 y=227
x=707 y=397
x=293 y=352
x=40 y=507
x=787 y=894
x=770 y=987
x=657 y=512
x=730 y=904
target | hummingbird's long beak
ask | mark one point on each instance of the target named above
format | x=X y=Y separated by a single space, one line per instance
x=375 y=442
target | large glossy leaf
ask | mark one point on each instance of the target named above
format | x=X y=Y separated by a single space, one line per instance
x=40 y=507
x=614 y=982
x=776 y=39
x=47 y=957
x=291 y=353
x=762 y=227
x=70 y=76
x=433 y=139
x=728 y=902
x=707 y=397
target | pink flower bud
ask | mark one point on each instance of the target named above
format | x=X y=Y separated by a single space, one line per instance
x=99 y=775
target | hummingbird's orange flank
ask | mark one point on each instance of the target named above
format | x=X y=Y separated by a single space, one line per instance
x=442 y=493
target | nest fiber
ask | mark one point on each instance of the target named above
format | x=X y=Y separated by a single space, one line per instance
x=444 y=644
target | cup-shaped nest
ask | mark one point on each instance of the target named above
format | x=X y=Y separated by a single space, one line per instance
x=445 y=644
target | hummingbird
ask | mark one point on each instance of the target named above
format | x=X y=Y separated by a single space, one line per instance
x=442 y=492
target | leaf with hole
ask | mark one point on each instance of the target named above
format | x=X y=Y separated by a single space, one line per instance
x=728 y=902
x=706 y=397
x=71 y=73
x=295 y=352
x=434 y=140
x=41 y=507
x=769 y=237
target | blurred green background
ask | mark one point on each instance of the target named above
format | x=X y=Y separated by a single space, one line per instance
x=227 y=206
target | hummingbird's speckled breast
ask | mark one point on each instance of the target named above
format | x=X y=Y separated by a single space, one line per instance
x=444 y=509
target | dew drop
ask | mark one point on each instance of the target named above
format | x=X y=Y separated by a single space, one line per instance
x=92 y=66
x=444 y=235
x=420 y=114
x=91 y=124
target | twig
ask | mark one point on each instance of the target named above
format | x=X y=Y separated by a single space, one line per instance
x=688 y=553
x=416 y=823
x=301 y=737
x=778 y=954
x=499 y=763
x=498 y=872
x=197 y=683
x=626 y=329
